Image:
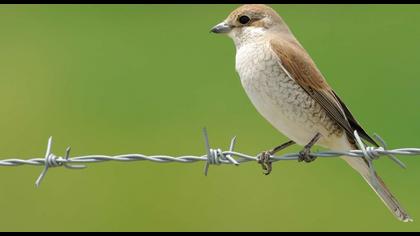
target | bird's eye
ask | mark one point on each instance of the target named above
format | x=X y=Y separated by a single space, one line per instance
x=244 y=20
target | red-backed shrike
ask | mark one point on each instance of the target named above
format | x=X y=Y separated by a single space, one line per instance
x=287 y=88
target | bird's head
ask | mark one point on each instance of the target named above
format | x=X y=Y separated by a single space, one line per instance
x=251 y=22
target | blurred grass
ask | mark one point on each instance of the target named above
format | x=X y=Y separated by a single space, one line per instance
x=112 y=79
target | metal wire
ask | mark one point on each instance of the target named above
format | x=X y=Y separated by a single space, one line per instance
x=212 y=157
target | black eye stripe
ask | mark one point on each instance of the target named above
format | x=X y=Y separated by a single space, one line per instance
x=244 y=19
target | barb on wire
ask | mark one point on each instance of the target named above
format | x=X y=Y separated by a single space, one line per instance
x=212 y=157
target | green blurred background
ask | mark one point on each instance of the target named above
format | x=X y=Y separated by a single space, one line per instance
x=117 y=79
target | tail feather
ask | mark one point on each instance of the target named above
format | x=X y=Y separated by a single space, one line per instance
x=390 y=201
x=378 y=185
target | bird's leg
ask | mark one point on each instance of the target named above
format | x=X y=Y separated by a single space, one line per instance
x=305 y=154
x=264 y=157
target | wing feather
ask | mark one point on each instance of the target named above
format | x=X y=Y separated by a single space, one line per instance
x=296 y=62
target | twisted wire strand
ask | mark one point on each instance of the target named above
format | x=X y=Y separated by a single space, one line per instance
x=212 y=157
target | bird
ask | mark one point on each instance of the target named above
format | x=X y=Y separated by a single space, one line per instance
x=286 y=87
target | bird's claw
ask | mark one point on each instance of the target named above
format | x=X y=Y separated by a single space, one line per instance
x=266 y=163
x=306 y=156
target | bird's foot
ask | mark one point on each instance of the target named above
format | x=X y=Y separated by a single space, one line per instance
x=266 y=163
x=306 y=156
x=264 y=157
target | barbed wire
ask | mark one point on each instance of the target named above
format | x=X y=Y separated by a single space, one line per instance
x=212 y=157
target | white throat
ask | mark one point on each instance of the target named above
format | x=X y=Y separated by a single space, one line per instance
x=247 y=35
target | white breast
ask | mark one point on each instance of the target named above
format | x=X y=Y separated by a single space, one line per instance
x=276 y=96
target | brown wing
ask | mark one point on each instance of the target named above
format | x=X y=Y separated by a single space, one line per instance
x=300 y=67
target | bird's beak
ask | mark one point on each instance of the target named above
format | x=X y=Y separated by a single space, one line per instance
x=221 y=28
